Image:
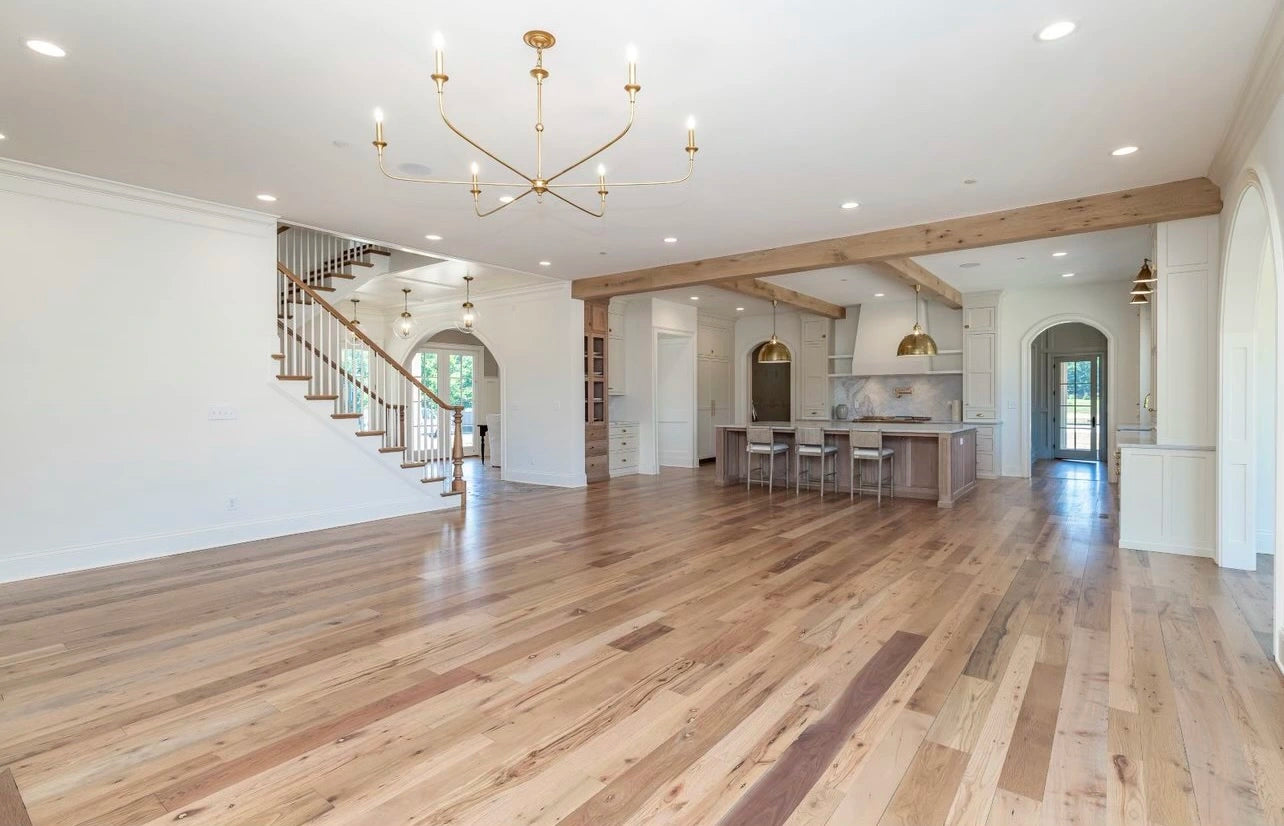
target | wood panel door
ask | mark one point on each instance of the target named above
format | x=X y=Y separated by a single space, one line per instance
x=713 y=403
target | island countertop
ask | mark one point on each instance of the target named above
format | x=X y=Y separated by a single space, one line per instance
x=897 y=428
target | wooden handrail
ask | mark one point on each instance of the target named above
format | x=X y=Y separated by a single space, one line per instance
x=374 y=348
x=356 y=382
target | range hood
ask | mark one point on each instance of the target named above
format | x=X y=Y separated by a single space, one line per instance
x=882 y=324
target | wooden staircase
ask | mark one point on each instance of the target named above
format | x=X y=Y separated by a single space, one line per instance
x=346 y=369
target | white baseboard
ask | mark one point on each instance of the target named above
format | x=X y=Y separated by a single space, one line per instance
x=539 y=477
x=1159 y=547
x=150 y=546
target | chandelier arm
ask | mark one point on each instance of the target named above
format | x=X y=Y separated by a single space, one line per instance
x=388 y=174
x=481 y=214
x=580 y=208
x=603 y=148
x=683 y=179
x=441 y=108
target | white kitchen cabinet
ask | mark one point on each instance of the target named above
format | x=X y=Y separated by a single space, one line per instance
x=713 y=341
x=713 y=402
x=1164 y=496
x=615 y=385
x=813 y=364
x=988 y=450
x=623 y=451
x=981 y=398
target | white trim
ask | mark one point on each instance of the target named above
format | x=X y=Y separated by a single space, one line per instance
x=84 y=190
x=150 y=546
x=536 y=477
x=1027 y=408
x=1168 y=548
x=1257 y=100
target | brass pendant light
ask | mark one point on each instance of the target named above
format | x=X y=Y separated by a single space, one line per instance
x=917 y=343
x=774 y=351
x=1146 y=275
x=468 y=318
x=405 y=326
x=1141 y=289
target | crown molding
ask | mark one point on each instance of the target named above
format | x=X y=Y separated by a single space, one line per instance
x=72 y=187
x=1257 y=100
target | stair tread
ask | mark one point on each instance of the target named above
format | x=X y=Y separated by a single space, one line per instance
x=278 y=356
x=392 y=449
x=409 y=465
x=434 y=479
x=322 y=397
x=346 y=415
x=371 y=432
x=294 y=378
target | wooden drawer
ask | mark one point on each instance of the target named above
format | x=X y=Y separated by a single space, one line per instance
x=597 y=448
x=595 y=432
x=623 y=429
x=624 y=444
x=621 y=461
x=596 y=467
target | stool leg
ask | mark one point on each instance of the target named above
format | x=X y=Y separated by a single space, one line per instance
x=879 y=484
x=891 y=473
x=797 y=474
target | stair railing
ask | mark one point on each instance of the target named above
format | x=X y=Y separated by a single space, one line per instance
x=344 y=365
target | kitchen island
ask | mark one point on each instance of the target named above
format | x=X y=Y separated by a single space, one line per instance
x=933 y=460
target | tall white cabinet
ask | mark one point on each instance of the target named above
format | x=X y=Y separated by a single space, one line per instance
x=714 y=338
x=615 y=349
x=981 y=378
x=813 y=368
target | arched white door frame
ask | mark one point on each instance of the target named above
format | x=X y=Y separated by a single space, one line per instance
x=1027 y=407
x=745 y=367
x=1251 y=229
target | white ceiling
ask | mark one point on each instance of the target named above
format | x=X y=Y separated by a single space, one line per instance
x=800 y=108
x=435 y=281
x=716 y=302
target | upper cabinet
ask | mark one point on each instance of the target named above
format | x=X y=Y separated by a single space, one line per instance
x=615 y=349
x=981 y=319
x=813 y=363
x=713 y=340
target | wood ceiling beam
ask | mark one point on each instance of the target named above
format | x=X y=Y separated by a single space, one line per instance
x=791 y=298
x=1128 y=208
x=916 y=275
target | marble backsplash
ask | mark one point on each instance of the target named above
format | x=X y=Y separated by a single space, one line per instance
x=876 y=396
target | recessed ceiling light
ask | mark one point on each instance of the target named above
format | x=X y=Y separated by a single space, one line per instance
x=850 y=205
x=1 y=137
x=433 y=237
x=740 y=309
x=546 y=263
x=266 y=197
x=969 y=181
x=1060 y=254
x=1067 y=275
x=505 y=199
x=695 y=298
x=670 y=240
x=1124 y=150
x=1057 y=30
x=46 y=48
x=879 y=295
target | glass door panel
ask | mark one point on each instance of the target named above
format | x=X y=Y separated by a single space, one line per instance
x=451 y=375
x=1078 y=407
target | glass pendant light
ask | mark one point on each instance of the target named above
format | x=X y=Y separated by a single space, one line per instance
x=917 y=343
x=468 y=318
x=354 y=340
x=405 y=326
x=774 y=351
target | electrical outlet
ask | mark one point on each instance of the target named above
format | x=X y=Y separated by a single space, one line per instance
x=222 y=413
x=233 y=503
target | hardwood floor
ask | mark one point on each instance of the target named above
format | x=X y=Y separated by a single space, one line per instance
x=654 y=651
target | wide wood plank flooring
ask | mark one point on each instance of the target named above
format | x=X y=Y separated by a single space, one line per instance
x=654 y=651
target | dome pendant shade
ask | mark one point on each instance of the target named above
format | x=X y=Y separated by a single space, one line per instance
x=917 y=343
x=774 y=351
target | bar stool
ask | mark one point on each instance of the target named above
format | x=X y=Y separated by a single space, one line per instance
x=762 y=442
x=867 y=446
x=810 y=444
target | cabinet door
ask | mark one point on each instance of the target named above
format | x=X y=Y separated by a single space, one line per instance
x=979 y=319
x=615 y=365
x=815 y=330
x=980 y=395
x=815 y=381
x=615 y=322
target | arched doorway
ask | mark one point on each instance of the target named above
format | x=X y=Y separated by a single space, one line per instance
x=1108 y=392
x=771 y=389
x=461 y=369
x=1069 y=371
x=1247 y=447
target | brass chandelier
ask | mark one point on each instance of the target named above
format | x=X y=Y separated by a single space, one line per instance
x=539 y=184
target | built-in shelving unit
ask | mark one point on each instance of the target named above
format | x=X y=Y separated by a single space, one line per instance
x=596 y=332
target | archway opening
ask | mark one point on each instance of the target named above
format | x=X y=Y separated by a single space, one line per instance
x=771 y=385
x=462 y=370
x=1068 y=401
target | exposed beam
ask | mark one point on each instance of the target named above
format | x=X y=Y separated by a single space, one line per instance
x=1129 y=208
x=792 y=298
x=916 y=275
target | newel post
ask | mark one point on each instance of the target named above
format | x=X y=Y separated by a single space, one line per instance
x=457 y=483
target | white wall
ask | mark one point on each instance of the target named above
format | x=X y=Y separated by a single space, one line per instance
x=1265 y=365
x=135 y=312
x=1025 y=313
x=537 y=336
x=749 y=333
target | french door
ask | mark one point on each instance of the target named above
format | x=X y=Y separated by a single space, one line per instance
x=1076 y=412
x=451 y=374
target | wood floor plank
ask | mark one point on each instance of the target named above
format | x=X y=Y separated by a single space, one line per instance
x=13 y=812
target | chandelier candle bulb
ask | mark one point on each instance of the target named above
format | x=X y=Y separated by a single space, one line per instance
x=691 y=144
x=632 y=54
x=439 y=51
x=379 y=142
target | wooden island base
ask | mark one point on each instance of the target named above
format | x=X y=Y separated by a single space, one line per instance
x=933 y=461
